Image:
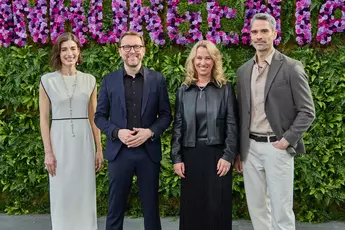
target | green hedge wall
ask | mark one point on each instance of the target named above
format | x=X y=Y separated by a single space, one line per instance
x=319 y=176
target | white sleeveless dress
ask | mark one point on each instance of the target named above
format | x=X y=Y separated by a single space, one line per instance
x=73 y=189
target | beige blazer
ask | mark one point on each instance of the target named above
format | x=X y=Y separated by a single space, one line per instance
x=289 y=105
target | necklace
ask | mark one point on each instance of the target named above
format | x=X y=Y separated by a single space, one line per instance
x=70 y=98
x=201 y=88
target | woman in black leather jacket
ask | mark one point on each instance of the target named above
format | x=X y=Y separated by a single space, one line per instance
x=204 y=141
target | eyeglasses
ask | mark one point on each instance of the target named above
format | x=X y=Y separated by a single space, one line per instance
x=127 y=48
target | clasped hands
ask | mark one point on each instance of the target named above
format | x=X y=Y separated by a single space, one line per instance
x=134 y=138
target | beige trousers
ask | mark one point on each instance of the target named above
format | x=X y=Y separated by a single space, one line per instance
x=268 y=179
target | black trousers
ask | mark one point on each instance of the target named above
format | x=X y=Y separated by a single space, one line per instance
x=206 y=199
x=128 y=162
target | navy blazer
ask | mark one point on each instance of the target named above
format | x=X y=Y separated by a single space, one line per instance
x=111 y=111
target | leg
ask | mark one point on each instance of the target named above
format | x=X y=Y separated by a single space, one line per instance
x=192 y=196
x=256 y=188
x=148 y=180
x=120 y=173
x=279 y=167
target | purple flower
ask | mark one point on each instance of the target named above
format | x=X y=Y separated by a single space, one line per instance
x=6 y=23
x=215 y=13
x=59 y=14
x=174 y=20
x=303 y=36
x=327 y=21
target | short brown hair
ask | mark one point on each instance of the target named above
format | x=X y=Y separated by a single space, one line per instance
x=132 y=33
x=55 y=60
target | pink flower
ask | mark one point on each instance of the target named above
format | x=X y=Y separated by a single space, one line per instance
x=174 y=20
x=215 y=13
x=327 y=21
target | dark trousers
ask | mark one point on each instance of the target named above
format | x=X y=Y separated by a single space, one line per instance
x=128 y=162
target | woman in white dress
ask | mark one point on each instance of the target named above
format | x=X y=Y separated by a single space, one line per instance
x=70 y=156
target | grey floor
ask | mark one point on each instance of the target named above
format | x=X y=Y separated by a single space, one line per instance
x=42 y=222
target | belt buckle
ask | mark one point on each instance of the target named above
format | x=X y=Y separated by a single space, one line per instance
x=269 y=135
x=268 y=139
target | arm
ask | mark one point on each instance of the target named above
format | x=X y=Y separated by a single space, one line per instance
x=95 y=130
x=44 y=105
x=176 y=141
x=231 y=132
x=164 y=111
x=102 y=113
x=177 y=135
x=303 y=103
x=237 y=162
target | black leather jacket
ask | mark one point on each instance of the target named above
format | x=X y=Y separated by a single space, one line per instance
x=222 y=120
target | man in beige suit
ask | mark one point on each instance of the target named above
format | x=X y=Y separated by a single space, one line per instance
x=276 y=108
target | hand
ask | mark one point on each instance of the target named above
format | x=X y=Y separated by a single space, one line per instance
x=179 y=169
x=98 y=161
x=238 y=164
x=223 y=167
x=124 y=134
x=282 y=144
x=50 y=163
x=141 y=136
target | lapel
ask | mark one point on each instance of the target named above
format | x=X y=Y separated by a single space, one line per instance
x=146 y=90
x=121 y=90
x=247 y=74
x=277 y=61
x=189 y=109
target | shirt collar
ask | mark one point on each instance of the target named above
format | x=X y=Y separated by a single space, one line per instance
x=140 y=73
x=212 y=82
x=268 y=59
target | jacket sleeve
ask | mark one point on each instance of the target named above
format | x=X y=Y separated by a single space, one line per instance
x=303 y=103
x=231 y=129
x=164 y=111
x=177 y=135
x=102 y=112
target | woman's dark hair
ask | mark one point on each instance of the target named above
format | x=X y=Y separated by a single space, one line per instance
x=55 y=60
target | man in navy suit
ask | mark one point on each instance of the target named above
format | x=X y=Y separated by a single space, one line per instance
x=133 y=111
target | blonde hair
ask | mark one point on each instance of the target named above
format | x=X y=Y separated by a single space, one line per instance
x=217 y=72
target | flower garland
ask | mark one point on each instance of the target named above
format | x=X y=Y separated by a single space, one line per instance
x=153 y=21
x=59 y=14
x=303 y=26
x=253 y=7
x=6 y=23
x=13 y=27
x=120 y=14
x=214 y=34
x=37 y=21
x=174 y=20
x=327 y=23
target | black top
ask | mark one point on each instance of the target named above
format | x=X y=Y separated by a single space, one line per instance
x=201 y=111
x=133 y=96
x=220 y=114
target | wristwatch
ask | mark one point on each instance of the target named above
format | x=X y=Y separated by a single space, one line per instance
x=152 y=136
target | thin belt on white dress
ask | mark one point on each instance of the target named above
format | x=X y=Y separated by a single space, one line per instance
x=73 y=118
